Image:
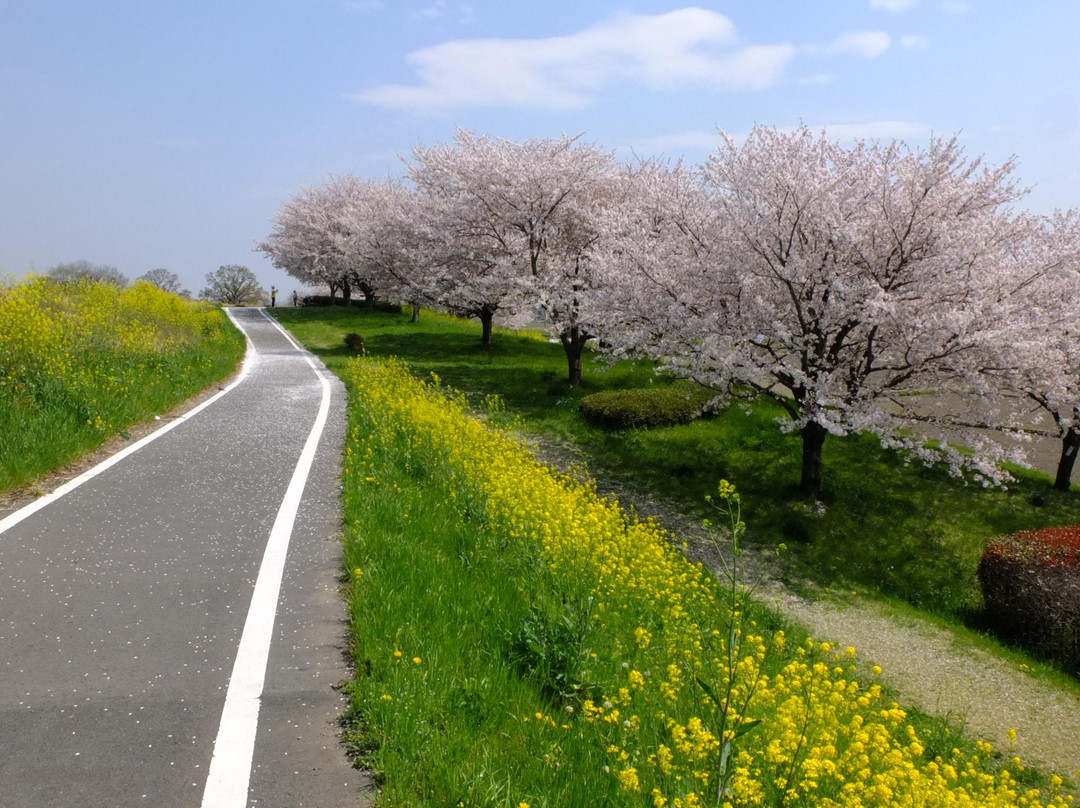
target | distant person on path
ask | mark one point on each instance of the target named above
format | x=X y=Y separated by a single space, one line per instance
x=273 y=296
x=295 y=298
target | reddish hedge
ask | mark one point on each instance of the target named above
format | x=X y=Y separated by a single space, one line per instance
x=1031 y=587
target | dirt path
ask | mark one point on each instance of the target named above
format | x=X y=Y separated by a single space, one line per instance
x=931 y=669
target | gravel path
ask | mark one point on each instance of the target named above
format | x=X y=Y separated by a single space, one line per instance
x=931 y=669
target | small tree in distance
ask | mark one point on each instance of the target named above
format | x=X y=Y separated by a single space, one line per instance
x=84 y=270
x=233 y=285
x=163 y=279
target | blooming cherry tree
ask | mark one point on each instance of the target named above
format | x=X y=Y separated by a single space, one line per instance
x=1043 y=338
x=302 y=243
x=349 y=233
x=519 y=225
x=830 y=279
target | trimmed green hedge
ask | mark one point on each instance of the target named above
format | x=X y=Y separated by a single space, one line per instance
x=680 y=403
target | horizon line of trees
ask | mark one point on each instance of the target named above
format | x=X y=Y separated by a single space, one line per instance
x=231 y=284
x=835 y=280
x=162 y=278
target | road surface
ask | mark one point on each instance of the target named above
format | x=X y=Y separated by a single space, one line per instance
x=140 y=609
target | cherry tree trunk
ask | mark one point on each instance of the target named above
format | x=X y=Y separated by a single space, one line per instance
x=415 y=313
x=1069 y=446
x=487 y=318
x=573 y=341
x=369 y=296
x=346 y=292
x=813 y=438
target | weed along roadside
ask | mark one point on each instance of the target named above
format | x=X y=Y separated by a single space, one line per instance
x=604 y=665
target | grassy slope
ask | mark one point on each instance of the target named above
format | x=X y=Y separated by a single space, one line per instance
x=36 y=441
x=909 y=533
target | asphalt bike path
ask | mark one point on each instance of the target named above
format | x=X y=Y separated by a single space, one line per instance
x=171 y=629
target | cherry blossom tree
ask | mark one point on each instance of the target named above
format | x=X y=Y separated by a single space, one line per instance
x=833 y=280
x=455 y=266
x=302 y=242
x=345 y=234
x=384 y=244
x=1044 y=338
x=518 y=223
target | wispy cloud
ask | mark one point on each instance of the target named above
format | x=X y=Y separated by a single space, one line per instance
x=893 y=5
x=689 y=46
x=956 y=7
x=817 y=78
x=913 y=41
x=465 y=12
x=868 y=44
x=430 y=12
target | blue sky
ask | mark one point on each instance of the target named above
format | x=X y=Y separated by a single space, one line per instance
x=166 y=134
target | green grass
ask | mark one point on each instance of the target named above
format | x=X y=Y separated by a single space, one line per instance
x=890 y=530
x=446 y=708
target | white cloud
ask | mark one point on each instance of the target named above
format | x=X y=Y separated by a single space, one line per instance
x=893 y=5
x=868 y=44
x=686 y=46
x=913 y=41
x=955 y=7
x=817 y=78
x=465 y=12
x=430 y=12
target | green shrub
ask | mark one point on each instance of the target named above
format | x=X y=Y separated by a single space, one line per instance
x=1031 y=587
x=319 y=301
x=680 y=403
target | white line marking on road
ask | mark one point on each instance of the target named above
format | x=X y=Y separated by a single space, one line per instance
x=229 y=776
x=14 y=518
